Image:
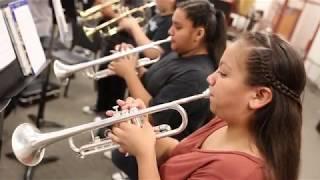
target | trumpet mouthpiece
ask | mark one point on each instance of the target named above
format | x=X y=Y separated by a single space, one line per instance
x=206 y=92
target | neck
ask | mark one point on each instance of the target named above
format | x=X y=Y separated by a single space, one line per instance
x=240 y=136
x=165 y=12
x=194 y=51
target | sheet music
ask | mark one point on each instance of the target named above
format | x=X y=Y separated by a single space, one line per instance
x=6 y=49
x=29 y=34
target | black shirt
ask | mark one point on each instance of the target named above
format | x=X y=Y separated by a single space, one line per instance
x=173 y=78
x=157 y=29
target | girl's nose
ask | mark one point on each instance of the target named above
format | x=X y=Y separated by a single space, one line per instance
x=211 y=79
x=170 y=31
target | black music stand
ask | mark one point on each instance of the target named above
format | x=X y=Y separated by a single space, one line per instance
x=38 y=119
x=14 y=72
x=16 y=81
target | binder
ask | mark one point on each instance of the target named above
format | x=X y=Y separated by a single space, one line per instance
x=17 y=43
x=27 y=30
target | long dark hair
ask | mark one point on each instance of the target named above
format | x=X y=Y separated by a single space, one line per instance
x=273 y=63
x=203 y=13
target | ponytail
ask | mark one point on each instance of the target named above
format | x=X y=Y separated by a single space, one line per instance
x=218 y=44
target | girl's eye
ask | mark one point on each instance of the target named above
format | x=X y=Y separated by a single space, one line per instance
x=222 y=74
x=177 y=27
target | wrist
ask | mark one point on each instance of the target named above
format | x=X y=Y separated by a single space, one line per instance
x=129 y=74
x=147 y=155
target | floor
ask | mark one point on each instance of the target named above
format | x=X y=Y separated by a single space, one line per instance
x=67 y=111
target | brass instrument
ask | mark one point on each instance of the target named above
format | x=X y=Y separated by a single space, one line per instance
x=90 y=31
x=97 y=8
x=63 y=71
x=29 y=144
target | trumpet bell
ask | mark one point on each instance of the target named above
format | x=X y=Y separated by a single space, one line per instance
x=61 y=72
x=23 y=139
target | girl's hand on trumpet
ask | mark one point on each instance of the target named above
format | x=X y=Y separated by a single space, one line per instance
x=126 y=66
x=133 y=139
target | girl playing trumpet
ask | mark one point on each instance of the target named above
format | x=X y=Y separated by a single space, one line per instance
x=256 y=134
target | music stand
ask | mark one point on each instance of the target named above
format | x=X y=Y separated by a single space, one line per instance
x=38 y=119
x=23 y=34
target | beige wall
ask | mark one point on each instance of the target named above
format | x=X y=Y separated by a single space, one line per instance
x=306 y=26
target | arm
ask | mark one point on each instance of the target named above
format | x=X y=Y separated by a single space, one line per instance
x=136 y=88
x=129 y=136
x=147 y=167
x=164 y=147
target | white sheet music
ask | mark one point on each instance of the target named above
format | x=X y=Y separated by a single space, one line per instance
x=7 y=54
x=29 y=36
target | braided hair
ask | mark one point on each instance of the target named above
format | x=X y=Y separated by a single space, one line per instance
x=273 y=63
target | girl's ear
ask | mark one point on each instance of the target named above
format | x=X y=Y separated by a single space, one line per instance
x=261 y=97
x=200 y=33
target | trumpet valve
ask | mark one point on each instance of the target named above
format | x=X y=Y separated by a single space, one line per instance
x=162 y=128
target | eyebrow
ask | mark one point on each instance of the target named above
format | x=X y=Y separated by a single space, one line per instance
x=223 y=63
x=175 y=22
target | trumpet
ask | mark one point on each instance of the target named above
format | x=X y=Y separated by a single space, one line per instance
x=29 y=144
x=63 y=71
x=93 y=15
x=90 y=31
x=97 y=8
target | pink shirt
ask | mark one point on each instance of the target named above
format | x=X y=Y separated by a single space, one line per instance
x=188 y=161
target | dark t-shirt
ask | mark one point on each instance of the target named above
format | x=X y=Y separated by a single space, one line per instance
x=157 y=29
x=174 y=78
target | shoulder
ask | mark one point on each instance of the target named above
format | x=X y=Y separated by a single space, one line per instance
x=232 y=166
x=199 y=62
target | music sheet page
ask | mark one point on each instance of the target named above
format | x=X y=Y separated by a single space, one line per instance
x=6 y=49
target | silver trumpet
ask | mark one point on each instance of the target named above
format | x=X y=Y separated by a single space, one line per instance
x=63 y=71
x=29 y=144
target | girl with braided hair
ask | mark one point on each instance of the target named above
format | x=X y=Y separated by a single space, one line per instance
x=198 y=39
x=256 y=134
